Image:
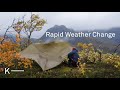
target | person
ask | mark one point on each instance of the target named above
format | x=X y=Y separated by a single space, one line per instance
x=73 y=57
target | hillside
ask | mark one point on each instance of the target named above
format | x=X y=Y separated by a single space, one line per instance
x=98 y=70
x=96 y=65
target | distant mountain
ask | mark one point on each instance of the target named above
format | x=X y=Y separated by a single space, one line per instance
x=108 y=45
x=56 y=29
x=117 y=32
x=61 y=29
x=12 y=37
x=105 y=44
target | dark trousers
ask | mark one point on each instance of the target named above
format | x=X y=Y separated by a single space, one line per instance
x=72 y=63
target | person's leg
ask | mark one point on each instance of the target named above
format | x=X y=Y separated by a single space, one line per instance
x=69 y=62
x=74 y=64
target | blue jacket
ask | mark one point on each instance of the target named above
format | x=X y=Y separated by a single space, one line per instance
x=73 y=55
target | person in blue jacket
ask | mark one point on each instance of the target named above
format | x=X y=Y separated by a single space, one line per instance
x=73 y=57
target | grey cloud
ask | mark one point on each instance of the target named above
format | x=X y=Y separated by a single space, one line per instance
x=75 y=20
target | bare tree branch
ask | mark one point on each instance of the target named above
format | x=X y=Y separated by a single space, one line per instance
x=7 y=31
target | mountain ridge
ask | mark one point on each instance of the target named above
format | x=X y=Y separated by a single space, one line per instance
x=102 y=43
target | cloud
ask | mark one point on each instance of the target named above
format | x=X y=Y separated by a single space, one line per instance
x=75 y=20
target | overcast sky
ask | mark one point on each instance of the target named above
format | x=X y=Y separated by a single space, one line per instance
x=74 y=20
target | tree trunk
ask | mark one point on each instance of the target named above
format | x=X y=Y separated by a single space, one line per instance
x=29 y=37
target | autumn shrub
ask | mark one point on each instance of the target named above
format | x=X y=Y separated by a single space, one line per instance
x=10 y=56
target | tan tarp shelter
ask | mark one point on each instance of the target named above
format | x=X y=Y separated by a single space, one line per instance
x=47 y=55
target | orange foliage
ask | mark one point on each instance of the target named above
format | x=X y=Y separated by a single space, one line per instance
x=9 y=52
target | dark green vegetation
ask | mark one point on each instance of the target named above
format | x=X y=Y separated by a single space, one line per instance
x=92 y=70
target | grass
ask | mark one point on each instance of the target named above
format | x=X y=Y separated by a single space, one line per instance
x=97 y=70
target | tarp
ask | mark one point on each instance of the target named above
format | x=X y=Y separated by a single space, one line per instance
x=47 y=55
